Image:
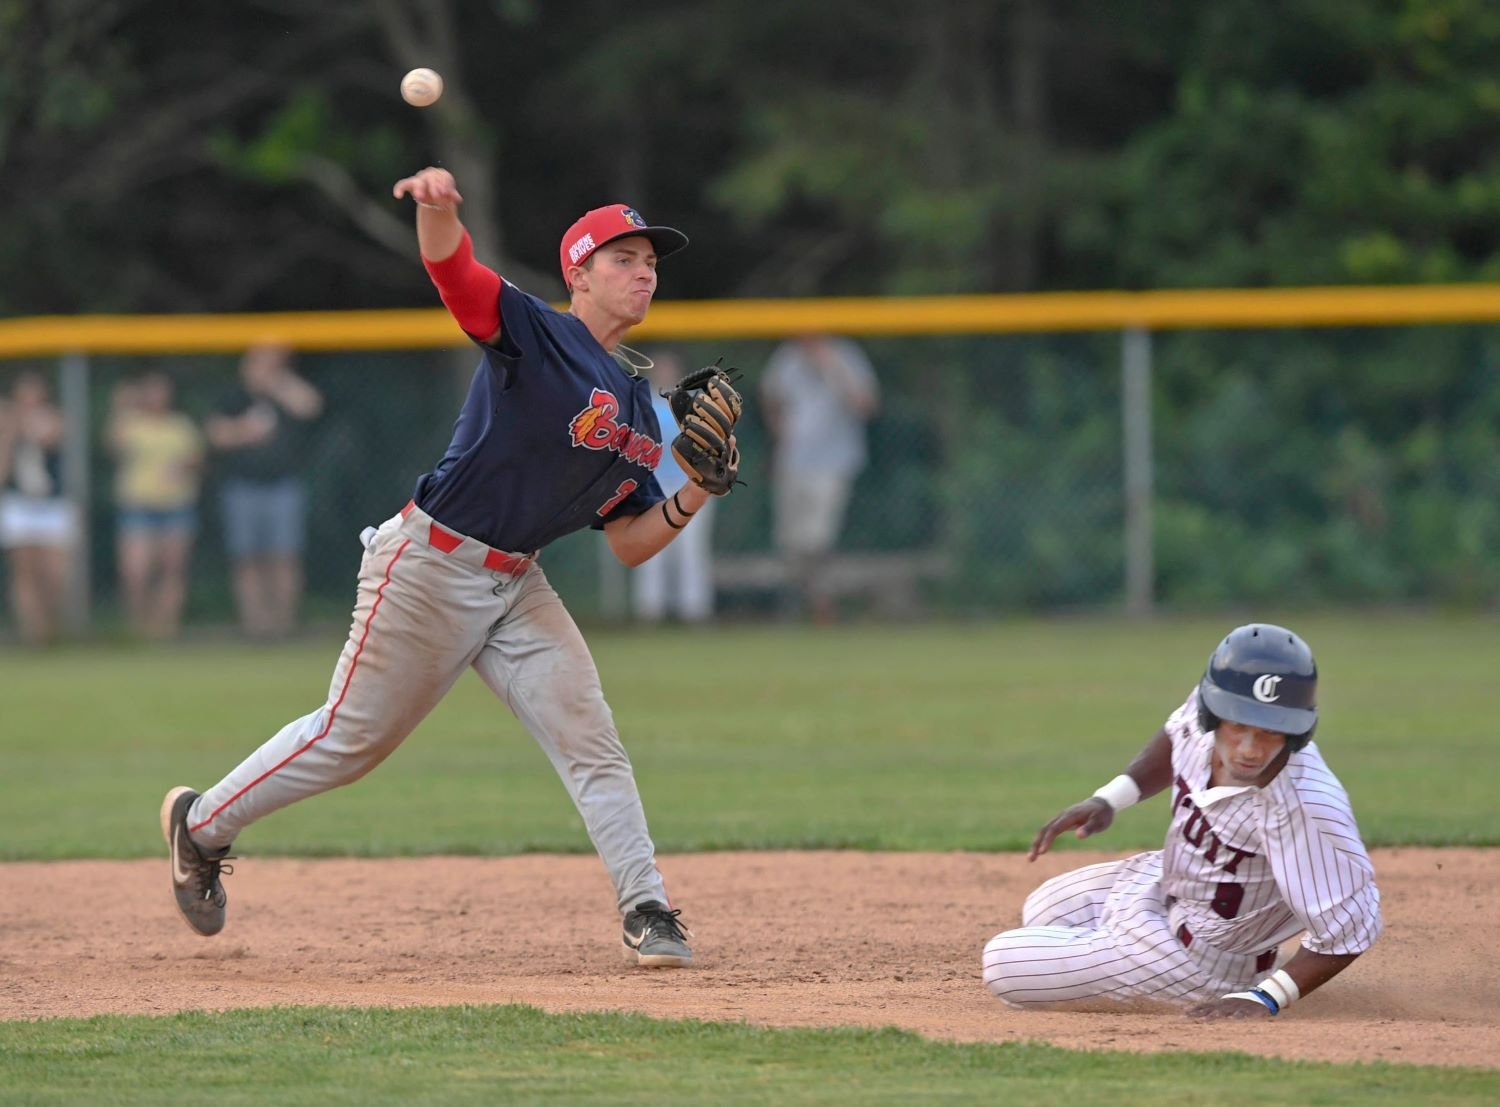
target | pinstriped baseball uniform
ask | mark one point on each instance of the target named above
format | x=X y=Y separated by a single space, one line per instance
x=1242 y=870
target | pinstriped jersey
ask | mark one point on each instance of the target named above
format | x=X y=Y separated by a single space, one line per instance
x=1245 y=868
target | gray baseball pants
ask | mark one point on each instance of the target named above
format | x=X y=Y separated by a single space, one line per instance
x=422 y=617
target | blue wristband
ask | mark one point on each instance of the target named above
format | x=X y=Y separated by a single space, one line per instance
x=1265 y=997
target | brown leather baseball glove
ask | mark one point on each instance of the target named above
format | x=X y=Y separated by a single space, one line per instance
x=706 y=407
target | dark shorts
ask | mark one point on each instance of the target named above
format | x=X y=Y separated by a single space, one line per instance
x=263 y=518
x=150 y=520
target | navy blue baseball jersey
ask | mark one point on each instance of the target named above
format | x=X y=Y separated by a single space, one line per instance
x=554 y=436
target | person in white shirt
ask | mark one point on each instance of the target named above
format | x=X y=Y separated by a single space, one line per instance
x=818 y=393
x=1262 y=847
x=677 y=582
x=38 y=525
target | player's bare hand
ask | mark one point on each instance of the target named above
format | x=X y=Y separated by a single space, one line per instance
x=1229 y=1007
x=1084 y=819
x=432 y=187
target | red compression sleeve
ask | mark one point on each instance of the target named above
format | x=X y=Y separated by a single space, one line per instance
x=471 y=290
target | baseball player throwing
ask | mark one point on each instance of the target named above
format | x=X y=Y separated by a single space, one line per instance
x=557 y=434
x=1262 y=846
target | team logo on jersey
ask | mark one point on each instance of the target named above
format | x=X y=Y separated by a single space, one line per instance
x=633 y=217
x=596 y=428
x=581 y=247
x=1265 y=689
x=1197 y=832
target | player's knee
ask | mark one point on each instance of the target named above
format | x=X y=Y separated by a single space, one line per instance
x=587 y=738
x=999 y=965
x=358 y=745
x=578 y=718
x=1041 y=907
x=1031 y=913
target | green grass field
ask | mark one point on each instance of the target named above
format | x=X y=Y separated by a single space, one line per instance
x=514 y=1055
x=932 y=737
x=962 y=736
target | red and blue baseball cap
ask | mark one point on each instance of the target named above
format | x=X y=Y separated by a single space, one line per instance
x=606 y=224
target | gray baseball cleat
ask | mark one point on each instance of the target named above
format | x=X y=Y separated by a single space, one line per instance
x=654 y=938
x=195 y=876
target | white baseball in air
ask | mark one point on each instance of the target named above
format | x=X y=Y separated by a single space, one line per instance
x=421 y=88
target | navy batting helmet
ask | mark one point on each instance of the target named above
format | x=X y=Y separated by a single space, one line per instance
x=1262 y=676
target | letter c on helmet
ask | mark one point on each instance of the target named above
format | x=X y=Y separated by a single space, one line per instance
x=1265 y=688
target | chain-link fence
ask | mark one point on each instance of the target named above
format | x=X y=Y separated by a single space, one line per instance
x=1339 y=466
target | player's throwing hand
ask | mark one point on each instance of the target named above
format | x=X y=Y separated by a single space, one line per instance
x=431 y=187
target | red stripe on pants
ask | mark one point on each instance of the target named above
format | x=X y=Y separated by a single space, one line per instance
x=333 y=711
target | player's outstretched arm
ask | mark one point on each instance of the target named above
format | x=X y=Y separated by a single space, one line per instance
x=436 y=194
x=1302 y=974
x=470 y=290
x=1085 y=819
x=635 y=539
x=1147 y=774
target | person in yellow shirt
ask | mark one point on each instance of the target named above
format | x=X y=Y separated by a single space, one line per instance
x=159 y=452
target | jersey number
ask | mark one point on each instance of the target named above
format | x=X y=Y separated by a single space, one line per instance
x=625 y=489
x=1227 y=900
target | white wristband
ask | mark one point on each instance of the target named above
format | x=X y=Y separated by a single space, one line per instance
x=1121 y=792
x=1282 y=988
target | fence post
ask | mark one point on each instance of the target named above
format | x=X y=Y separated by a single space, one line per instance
x=73 y=390
x=1135 y=413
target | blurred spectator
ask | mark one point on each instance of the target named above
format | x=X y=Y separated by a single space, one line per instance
x=678 y=581
x=38 y=527
x=159 y=453
x=818 y=393
x=256 y=433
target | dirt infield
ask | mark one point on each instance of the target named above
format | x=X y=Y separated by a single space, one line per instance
x=785 y=939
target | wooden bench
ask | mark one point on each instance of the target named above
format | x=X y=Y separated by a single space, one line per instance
x=890 y=581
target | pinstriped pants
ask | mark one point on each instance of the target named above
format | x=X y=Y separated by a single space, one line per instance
x=1103 y=931
x=422 y=617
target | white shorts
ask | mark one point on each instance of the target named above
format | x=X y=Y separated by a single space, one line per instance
x=33 y=521
x=810 y=511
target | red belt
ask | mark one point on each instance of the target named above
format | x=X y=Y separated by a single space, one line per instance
x=446 y=541
x=1262 y=962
